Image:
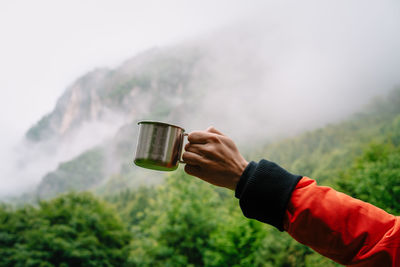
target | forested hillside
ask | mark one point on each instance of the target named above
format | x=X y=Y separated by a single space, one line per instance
x=92 y=130
x=186 y=222
x=325 y=153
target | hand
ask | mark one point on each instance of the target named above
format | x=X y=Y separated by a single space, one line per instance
x=214 y=157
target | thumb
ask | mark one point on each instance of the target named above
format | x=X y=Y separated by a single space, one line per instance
x=211 y=129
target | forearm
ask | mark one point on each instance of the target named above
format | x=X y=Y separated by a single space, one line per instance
x=337 y=226
x=340 y=227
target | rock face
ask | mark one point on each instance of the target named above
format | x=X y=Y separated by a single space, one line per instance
x=80 y=102
x=155 y=79
x=155 y=85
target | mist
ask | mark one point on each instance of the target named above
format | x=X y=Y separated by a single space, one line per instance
x=28 y=162
x=284 y=68
x=299 y=66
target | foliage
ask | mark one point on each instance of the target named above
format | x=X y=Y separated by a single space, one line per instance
x=236 y=240
x=190 y=223
x=121 y=90
x=81 y=173
x=186 y=222
x=131 y=204
x=177 y=225
x=71 y=230
x=41 y=130
x=375 y=177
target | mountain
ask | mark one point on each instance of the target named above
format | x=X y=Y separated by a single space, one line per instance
x=322 y=153
x=232 y=79
x=125 y=91
x=152 y=85
x=92 y=130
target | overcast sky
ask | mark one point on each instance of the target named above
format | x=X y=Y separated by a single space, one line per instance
x=332 y=50
x=46 y=44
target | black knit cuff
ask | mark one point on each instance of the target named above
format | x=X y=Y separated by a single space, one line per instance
x=243 y=179
x=264 y=190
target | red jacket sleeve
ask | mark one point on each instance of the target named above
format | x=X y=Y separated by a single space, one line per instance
x=347 y=230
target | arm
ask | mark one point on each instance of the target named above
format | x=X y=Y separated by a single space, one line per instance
x=347 y=230
x=337 y=226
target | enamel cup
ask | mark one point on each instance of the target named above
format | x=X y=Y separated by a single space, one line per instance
x=159 y=146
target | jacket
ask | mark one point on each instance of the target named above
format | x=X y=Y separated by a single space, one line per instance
x=344 y=229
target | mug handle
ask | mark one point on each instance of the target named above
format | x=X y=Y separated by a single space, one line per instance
x=180 y=152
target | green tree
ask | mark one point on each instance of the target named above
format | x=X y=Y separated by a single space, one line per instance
x=71 y=230
x=178 y=224
x=375 y=177
x=236 y=239
x=132 y=203
x=81 y=173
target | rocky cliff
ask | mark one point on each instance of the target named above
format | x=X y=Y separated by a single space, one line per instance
x=157 y=85
x=156 y=79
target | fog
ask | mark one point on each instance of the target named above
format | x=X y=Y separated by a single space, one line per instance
x=28 y=162
x=279 y=69
x=301 y=67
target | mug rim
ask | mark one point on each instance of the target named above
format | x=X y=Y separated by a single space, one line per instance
x=159 y=123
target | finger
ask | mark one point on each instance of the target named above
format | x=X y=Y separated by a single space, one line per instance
x=192 y=158
x=199 y=137
x=200 y=149
x=211 y=129
x=195 y=148
x=196 y=159
x=187 y=146
x=193 y=170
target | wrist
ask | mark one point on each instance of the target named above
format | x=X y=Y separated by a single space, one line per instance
x=241 y=168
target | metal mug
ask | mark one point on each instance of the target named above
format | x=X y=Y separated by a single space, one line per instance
x=159 y=146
